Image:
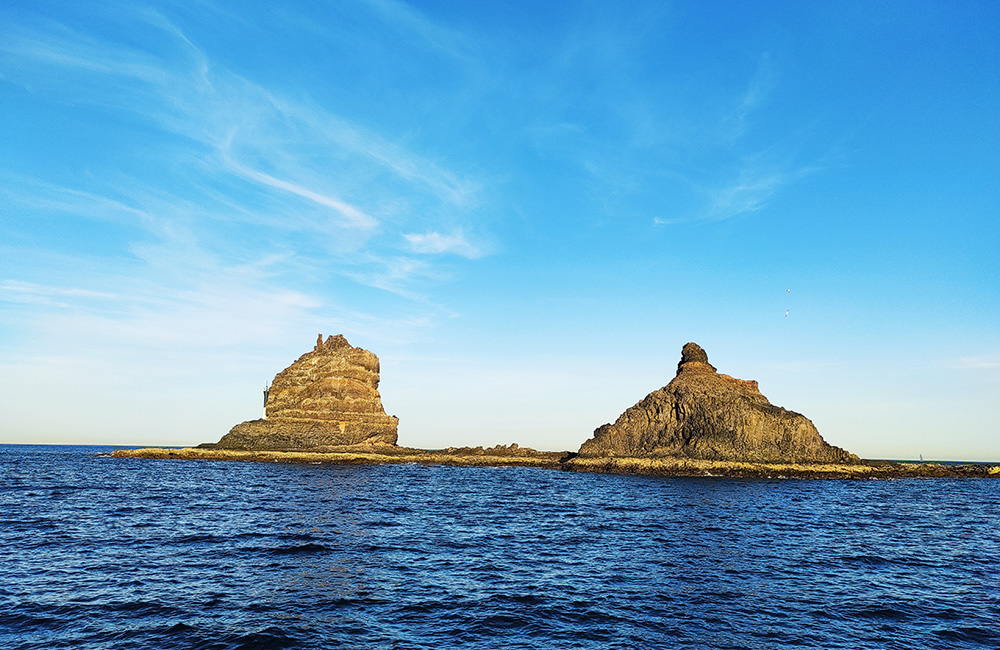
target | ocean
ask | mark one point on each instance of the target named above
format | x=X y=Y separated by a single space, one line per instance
x=100 y=552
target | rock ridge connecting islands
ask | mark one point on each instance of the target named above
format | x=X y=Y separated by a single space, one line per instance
x=704 y=415
x=328 y=397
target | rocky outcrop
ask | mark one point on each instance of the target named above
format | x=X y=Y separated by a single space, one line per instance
x=702 y=414
x=329 y=396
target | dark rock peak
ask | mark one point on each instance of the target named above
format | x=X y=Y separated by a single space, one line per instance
x=693 y=353
x=707 y=415
x=332 y=342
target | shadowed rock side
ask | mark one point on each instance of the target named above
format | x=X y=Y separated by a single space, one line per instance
x=702 y=414
x=329 y=396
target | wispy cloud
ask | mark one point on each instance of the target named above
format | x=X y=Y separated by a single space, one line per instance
x=411 y=21
x=27 y=193
x=259 y=157
x=324 y=127
x=748 y=193
x=14 y=291
x=976 y=363
x=435 y=243
x=671 y=151
x=394 y=274
x=351 y=215
x=751 y=189
x=736 y=122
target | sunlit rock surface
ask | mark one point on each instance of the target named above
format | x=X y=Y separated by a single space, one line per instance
x=329 y=396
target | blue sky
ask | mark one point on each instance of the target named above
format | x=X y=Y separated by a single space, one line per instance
x=525 y=209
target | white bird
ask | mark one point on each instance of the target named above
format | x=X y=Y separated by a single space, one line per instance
x=786 y=311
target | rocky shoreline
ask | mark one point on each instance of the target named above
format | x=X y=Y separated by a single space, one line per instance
x=514 y=456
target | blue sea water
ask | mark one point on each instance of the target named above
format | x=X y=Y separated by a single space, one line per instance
x=122 y=553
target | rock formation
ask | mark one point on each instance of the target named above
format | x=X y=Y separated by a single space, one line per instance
x=705 y=415
x=329 y=396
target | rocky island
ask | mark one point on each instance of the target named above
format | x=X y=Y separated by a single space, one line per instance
x=325 y=407
x=705 y=415
x=328 y=397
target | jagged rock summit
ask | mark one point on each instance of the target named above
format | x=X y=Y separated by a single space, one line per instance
x=329 y=396
x=706 y=415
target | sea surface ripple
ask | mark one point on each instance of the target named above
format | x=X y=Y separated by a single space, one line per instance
x=136 y=554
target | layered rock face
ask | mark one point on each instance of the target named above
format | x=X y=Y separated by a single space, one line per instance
x=329 y=396
x=703 y=414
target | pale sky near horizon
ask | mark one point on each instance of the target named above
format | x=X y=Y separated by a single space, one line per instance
x=524 y=209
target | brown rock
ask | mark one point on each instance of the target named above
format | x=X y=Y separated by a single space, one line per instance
x=705 y=415
x=329 y=396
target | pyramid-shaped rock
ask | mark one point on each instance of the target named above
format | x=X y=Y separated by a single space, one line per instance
x=705 y=415
x=329 y=396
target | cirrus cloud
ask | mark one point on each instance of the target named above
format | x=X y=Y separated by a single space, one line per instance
x=435 y=243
